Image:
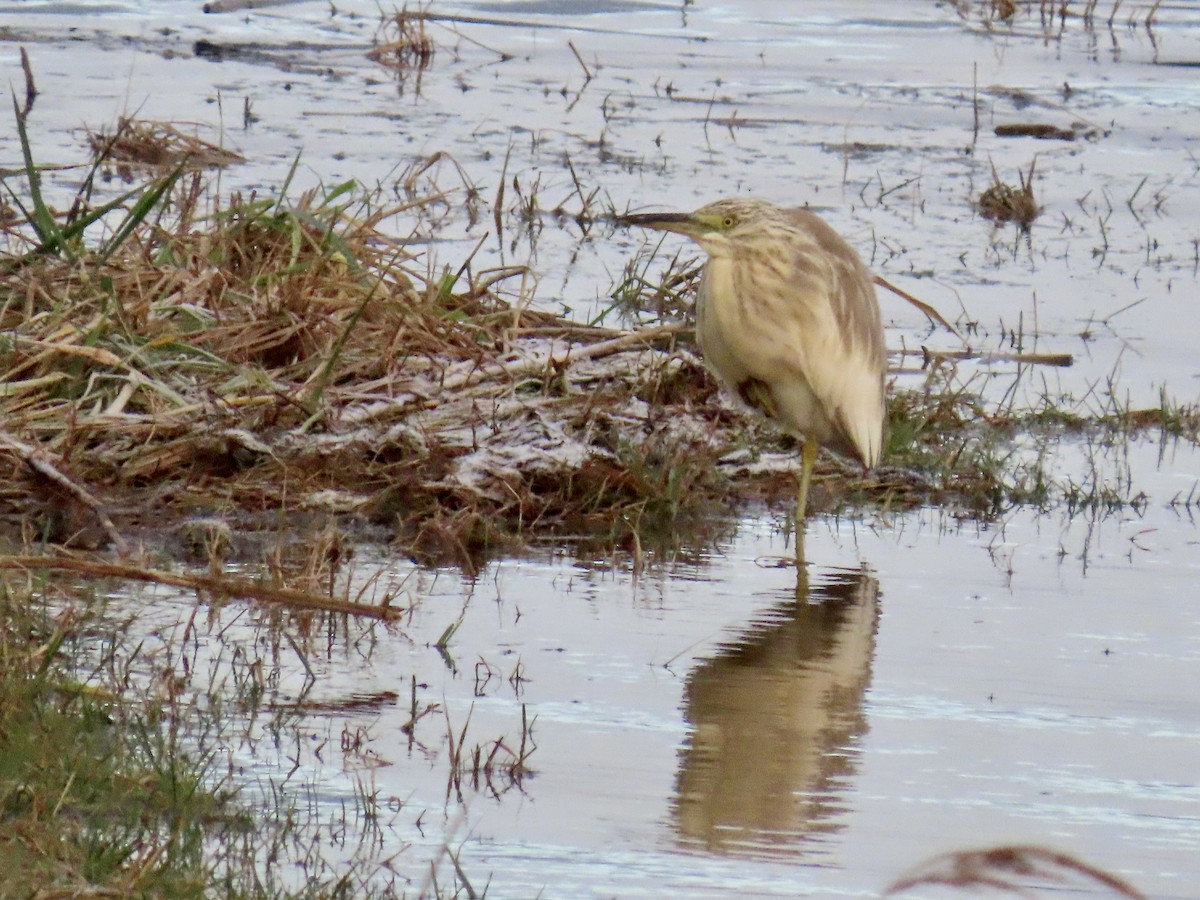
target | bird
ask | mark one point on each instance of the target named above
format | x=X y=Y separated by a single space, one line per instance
x=788 y=319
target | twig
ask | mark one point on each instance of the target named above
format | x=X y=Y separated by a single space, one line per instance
x=975 y=102
x=1037 y=359
x=214 y=584
x=930 y=313
x=587 y=74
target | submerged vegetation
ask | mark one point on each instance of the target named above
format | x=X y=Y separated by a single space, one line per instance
x=92 y=792
x=132 y=763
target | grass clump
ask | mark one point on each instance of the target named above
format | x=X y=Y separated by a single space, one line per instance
x=95 y=794
x=123 y=755
x=1007 y=203
x=172 y=354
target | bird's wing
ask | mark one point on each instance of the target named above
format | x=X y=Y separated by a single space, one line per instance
x=826 y=363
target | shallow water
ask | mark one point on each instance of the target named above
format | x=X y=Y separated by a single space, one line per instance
x=699 y=732
x=704 y=733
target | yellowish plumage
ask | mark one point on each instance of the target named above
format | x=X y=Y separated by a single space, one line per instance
x=787 y=317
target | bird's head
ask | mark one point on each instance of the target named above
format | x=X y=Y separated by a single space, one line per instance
x=717 y=227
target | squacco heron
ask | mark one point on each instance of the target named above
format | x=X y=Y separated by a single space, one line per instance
x=787 y=317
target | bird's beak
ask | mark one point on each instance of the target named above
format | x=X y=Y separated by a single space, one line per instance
x=680 y=223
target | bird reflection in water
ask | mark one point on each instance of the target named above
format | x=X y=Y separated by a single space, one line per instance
x=776 y=719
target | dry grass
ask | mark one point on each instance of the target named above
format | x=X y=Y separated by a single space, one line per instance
x=1005 y=203
x=403 y=43
x=258 y=358
x=136 y=144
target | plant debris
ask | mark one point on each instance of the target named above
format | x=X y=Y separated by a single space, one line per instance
x=1040 y=130
x=156 y=145
x=1005 y=203
x=402 y=42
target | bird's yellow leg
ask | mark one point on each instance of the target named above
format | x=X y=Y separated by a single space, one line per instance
x=808 y=456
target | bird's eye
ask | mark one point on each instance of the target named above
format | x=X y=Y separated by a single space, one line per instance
x=729 y=221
